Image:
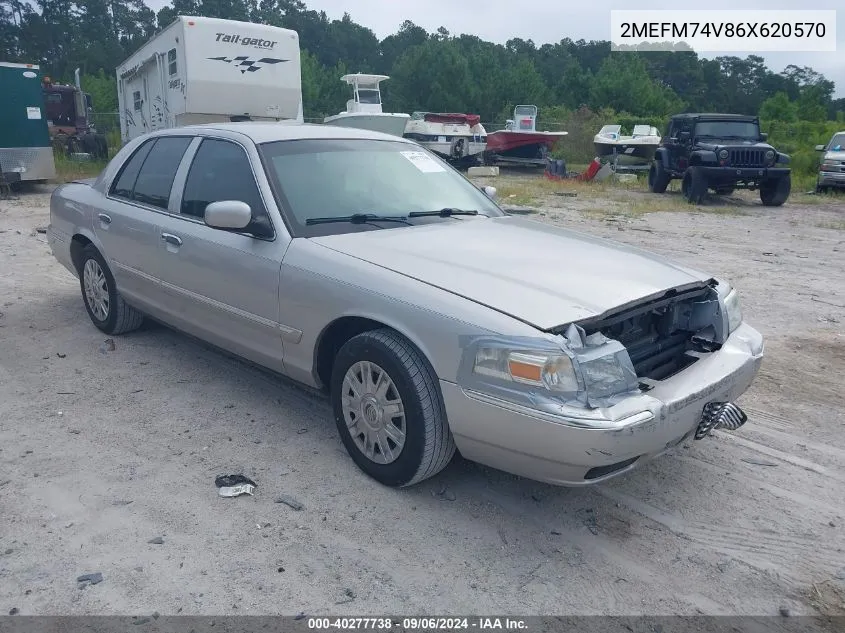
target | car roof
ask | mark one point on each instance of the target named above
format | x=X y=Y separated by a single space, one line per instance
x=715 y=116
x=269 y=131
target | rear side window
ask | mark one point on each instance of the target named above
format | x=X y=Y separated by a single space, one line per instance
x=125 y=181
x=159 y=169
x=220 y=171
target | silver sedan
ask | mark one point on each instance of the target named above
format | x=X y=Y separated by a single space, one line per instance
x=362 y=264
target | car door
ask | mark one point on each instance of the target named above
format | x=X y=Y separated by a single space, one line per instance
x=127 y=225
x=223 y=285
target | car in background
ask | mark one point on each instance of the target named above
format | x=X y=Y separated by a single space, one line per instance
x=832 y=166
x=362 y=264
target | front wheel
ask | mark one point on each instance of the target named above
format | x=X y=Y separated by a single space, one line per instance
x=658 y=178
x=773 y=193
x=388 y=409
x=106 y=307
x=694 y=185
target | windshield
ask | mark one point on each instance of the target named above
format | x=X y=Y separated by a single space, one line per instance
x=837 y=143
x=369 y=96
x=325 y=178
x=728 y=129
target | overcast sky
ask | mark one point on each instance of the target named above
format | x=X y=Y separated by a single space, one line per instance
x=549 y=21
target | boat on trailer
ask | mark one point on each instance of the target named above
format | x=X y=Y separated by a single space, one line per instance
x=459 y=138
x=520 y=143
x=364 y=109
x=619 y=149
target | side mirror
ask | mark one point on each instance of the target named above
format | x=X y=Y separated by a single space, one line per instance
x=764 y=136
x=228 y=214
x=819 y=148
x=490 y=192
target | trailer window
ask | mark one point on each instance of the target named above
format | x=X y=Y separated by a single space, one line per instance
x=171 y=62
x=136 y=100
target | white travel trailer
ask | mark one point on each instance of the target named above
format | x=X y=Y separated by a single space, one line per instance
x=208 y=70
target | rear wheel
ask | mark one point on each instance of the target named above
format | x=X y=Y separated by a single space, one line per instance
x=658 y=178
x=694 y=185
x=107 y=309
x=388 y=409
x=773 y=193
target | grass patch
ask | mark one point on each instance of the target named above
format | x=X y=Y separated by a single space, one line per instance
x=516 y=194
x=836 y=226
x=68 y=170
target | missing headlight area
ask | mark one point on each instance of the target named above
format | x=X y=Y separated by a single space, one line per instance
x=665 y=335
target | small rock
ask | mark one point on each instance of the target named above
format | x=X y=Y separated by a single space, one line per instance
x=784 y=611
x=8 y=551
x=290 y=502
x=107 y=346
x=156 y=541
x=555 y=533
x=60 y=355
x=301 y=431
x=299 y=616
x=831 y=524
x=95 y=579
x=840 y=575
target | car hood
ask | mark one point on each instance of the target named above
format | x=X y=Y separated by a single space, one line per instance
x=543 y=275
x=831 y=155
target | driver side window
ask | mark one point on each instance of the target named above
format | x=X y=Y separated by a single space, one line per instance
x=221 y=171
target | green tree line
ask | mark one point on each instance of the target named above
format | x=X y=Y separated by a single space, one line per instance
x=429 y=71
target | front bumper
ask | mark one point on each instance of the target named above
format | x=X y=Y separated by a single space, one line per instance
x=590 y=446
x=745 y=173
x=831 y=179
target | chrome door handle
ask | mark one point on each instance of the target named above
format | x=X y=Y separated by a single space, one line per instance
x=171 y=239
x=104 y=218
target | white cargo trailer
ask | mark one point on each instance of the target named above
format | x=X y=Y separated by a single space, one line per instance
x=208 y=70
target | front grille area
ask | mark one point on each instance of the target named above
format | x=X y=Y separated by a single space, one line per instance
x=747 y=157
x=657 y=347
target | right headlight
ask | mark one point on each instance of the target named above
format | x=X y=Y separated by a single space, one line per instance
x=539 y=369
x=733 y=310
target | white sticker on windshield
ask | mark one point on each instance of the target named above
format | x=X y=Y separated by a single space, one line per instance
x=423 y=162
x=33 y=113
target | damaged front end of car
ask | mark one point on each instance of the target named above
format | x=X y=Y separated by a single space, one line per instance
x=581 y=370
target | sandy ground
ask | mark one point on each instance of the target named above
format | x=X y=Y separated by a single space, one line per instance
x=102 y=451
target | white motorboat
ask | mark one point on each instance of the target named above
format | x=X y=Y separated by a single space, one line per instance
x=459 y=138
x=364 y=110
x=638 y=148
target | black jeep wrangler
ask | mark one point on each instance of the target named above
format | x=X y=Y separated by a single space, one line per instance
x=721 y=152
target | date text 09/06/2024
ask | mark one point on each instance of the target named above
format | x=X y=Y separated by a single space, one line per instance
x=420 y=623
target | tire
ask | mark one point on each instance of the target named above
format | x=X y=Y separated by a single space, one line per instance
x=117 y=317
x=694 y=185
x=428 y=445
x=821 y=189
x=658 y=179
x=773 y=193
